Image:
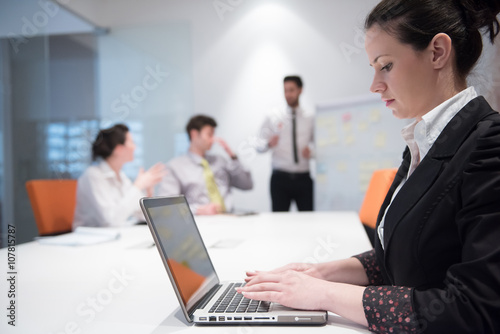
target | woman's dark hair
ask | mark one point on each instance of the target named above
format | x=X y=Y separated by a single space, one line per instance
x=107 y=139
x=198 y=122
x=416 y=22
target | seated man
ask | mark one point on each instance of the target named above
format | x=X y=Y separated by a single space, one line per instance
x=205 y=179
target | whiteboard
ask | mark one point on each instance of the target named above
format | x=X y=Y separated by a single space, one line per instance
x=353 y=138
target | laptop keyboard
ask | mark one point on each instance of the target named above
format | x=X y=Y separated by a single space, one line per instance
x=232 y=302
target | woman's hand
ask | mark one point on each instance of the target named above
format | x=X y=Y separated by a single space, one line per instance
x=299 y=290
x=146 y=180
x=306 y=268
x=290 y=288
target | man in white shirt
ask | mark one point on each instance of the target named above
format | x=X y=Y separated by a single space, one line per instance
x=290 y=136
x=205 y=179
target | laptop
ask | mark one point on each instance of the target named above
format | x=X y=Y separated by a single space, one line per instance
x=203 y=299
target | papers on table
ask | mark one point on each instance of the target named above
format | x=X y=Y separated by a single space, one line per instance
x=81 y=236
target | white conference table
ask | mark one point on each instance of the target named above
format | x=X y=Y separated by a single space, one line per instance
x=122 y=287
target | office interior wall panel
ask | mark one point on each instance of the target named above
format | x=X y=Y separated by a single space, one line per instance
x=145 y=77
x=354 y=137
x=30 y=111
x=52 y=88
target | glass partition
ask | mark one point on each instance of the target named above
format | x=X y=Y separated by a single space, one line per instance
x=29 y=114
x=145 y=79
x=62 y=89
x=4 y=98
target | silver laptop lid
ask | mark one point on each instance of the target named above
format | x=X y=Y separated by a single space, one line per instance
x=181 y=248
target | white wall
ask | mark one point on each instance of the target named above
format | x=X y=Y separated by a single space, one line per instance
x=145 y=76
x=240 y=64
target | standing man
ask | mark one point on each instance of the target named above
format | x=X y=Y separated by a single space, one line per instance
x=205 y=179
x=290 y=136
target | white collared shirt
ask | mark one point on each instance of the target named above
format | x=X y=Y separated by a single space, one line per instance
x=104 y=200
x=282 y=154
x=420 y=136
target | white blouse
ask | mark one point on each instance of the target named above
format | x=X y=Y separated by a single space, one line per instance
x=104 y=200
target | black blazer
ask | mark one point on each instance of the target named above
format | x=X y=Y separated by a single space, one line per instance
x=442 y=231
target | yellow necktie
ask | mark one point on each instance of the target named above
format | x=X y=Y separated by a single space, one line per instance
x=213 y=191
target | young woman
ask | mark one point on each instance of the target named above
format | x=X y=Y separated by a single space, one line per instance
x=105 y=195
x=436 y=264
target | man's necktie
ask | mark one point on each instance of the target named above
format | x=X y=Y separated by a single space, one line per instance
x=213 y=191
x=294 y=136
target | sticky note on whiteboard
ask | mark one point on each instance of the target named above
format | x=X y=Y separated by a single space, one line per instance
x=341 y=166
x=375 y=115
x=380 y=140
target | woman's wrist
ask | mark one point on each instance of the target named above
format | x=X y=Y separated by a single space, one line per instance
x=345 y=300
x=343 y=271
x=326 y=270
x=139 y=185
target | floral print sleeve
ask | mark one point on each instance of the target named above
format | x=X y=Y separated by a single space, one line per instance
x=372 y=269
x=389 y=309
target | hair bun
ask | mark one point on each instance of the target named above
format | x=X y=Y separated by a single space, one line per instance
x=107 y=139
x=481 y=15
x=100 y=147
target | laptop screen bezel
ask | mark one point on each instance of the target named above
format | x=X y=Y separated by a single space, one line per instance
x=153 y=202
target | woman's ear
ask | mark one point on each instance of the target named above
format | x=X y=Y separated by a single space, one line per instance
x=118 y=149
x=441 y=48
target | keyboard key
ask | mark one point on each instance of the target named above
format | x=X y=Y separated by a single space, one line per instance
x=231 y=302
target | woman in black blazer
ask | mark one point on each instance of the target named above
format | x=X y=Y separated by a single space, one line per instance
x=436 y=264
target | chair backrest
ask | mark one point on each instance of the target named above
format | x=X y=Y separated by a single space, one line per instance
x=375 y=194
x=53 y=203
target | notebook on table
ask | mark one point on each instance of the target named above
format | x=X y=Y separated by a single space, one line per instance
x=202 y=297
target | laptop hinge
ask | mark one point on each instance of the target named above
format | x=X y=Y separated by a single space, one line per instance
x=204 y=301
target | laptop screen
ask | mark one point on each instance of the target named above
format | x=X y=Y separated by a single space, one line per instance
x=181 y=248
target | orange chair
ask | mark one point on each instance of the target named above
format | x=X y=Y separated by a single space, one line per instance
x=53 y=203
x=374 y=197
